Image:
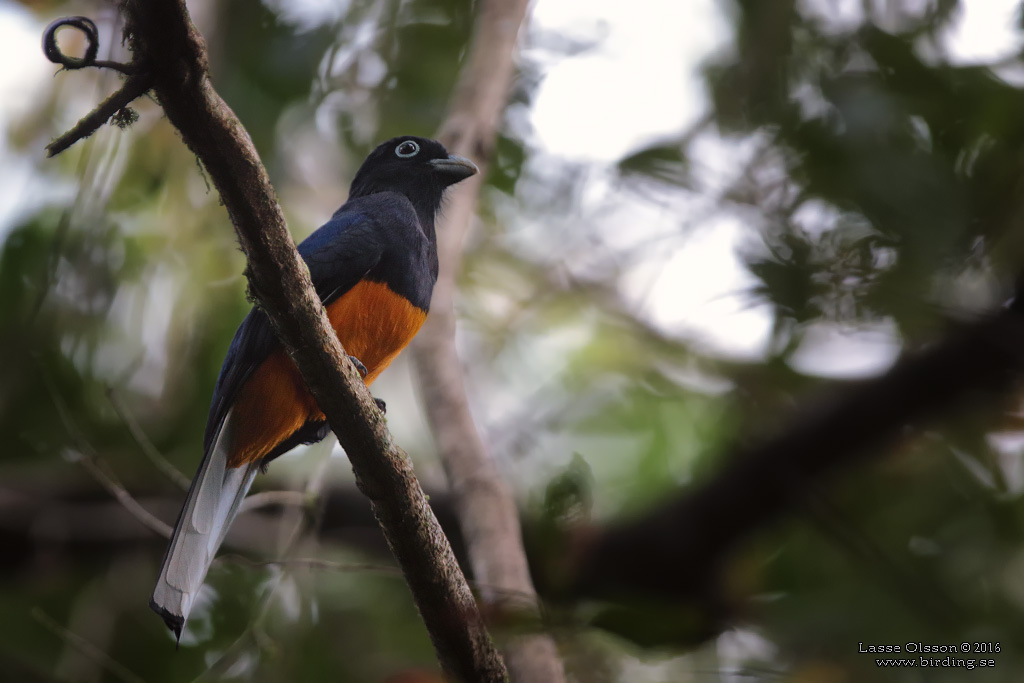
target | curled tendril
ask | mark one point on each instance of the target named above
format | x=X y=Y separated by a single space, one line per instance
x=52 y=51
x=115 y=108
x=92 y=34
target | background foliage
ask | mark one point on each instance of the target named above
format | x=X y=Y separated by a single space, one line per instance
x=878 y=186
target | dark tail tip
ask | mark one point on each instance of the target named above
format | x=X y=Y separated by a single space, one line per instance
x=174 y=622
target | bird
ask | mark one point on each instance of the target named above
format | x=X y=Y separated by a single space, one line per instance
x=373 y=265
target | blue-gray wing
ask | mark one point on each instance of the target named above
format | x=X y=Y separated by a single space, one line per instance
x=338 y=254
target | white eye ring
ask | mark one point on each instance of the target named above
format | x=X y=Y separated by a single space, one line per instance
x=403 y=149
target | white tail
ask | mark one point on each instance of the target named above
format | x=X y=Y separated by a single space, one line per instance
x=210 y=506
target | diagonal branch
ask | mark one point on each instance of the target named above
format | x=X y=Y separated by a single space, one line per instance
x=487 y=513
x=679 y=548
x=116 y=669
x=167 y=46
x=155 y=457
x=90 y=460
x=134 y=87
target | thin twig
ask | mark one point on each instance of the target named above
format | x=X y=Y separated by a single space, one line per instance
x=90 y=460
x=151 y=452
x=85 y=647
x=94 y=467
x=270 y=498
x=126 y=69
x=345 y=567
x=314 y=563
x=134 y=87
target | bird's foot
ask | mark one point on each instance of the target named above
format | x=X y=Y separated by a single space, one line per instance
x=362 y=371
x=359 y=366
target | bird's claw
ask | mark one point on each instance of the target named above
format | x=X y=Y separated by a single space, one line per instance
x=362 y=371
x=359 y=366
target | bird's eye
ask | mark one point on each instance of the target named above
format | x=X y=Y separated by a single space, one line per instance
x=407 y=149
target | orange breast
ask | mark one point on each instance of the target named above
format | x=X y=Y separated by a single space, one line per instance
x=373 y=324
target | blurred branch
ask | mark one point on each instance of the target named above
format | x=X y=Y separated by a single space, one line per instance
x=314 y=563
x=119 y=671
x=329 y=565
x=679 y=549
x=89 y=459
x=93 y=467
x=167 y=48
x=76 y=518
x=487 y=512
x=70 y=526
x=76 y=524
x=271 y=498
x=147 y=447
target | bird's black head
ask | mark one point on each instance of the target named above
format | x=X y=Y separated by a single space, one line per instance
x=419 y=168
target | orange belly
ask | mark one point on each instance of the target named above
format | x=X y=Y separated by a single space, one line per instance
x=373 y=324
